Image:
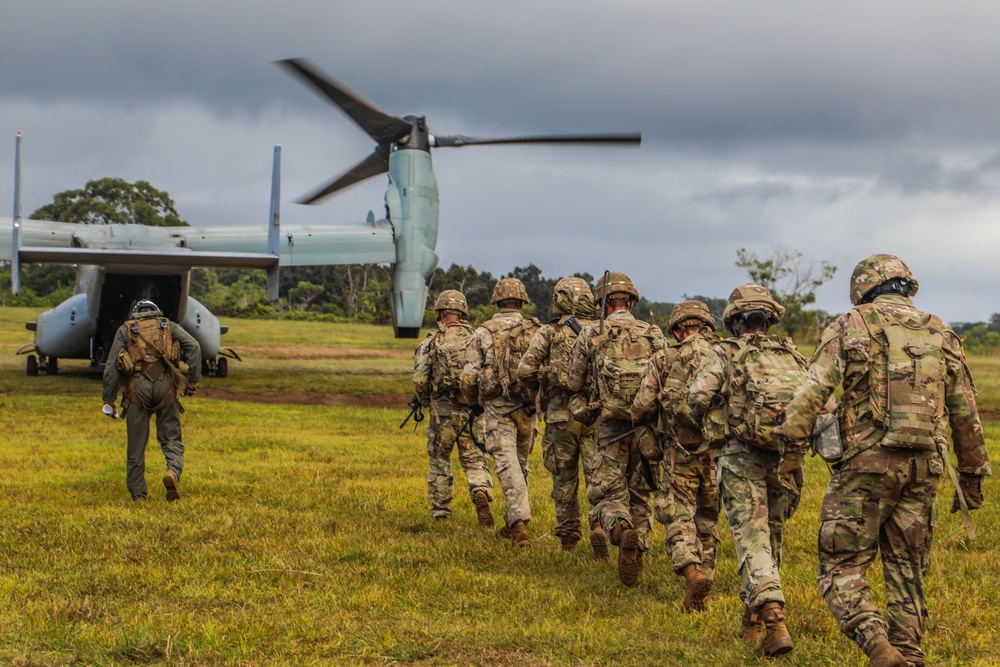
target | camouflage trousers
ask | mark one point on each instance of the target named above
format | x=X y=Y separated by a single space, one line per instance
x=441 y=442
x=565 y=446
x=618 y=490
x=168 y=433
x=757 y=507
x=880 y=500
x=688 y=505
x=509 y=440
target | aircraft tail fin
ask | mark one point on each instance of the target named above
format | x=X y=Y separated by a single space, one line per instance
x=274 y=226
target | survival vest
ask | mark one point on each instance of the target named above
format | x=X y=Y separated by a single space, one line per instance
x=764 y=374
x=621 y=356
x=149 y=341
x=907 y=376
x=511 y=338
x=447 y=354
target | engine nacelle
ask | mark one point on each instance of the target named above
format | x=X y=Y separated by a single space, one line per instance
x=204 y=327
x=65 y=331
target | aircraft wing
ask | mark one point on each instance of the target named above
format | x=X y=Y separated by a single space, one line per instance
x=240 y=246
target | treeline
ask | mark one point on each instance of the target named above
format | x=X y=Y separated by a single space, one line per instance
x=980 y=337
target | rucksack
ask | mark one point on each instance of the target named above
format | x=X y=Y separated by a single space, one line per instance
x=511 y=338
x=149 y=340
x=560 y=351
x=682 y=361
x=620 y=359
x=764 y=374
x=447 y=353
x=907 y=376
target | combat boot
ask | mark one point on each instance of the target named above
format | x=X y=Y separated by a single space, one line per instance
x=776 y=641
x=883 y=654
x=751 y=631
x=629 y=557
x=483 y=511
x=568 y=542
x=519 y=533
x=697 y=589
x=599 y=543
x=170 y=483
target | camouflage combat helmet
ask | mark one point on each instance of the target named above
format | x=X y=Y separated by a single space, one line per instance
x=748 y=298
x=567 y=294
x=877 y=269
x=509 y=288
x=691 y=313
x=145 y=306
x=451 y=299
x=617 y=283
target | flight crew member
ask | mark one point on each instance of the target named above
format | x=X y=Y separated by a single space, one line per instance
x=490 y=380
x=905 y=382
x=688 y=500
x=613 y=354
x=567 y=443
x=143 y=362
x=437 y=365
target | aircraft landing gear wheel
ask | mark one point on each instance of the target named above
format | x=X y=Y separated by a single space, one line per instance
x=51 y=366
x=31 y=366
x=222 y=367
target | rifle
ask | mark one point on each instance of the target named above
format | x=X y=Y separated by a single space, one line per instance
x=416 y=411
x=647 y=470
x=604 y=301
x=573 y=324
x=473 y=412
x=526 y=404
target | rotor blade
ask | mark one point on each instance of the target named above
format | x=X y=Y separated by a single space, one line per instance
x=458 y=140
x=373 y=165
x=379 y=125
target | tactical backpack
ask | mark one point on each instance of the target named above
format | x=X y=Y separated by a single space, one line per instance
x=560 y=351
x=765 y=373
x=907 y=376
x=510 y=341
x=149 y=340
x=447 y=353
x=682 y=361
x=620 y=359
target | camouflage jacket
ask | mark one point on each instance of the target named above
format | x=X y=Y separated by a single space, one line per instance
x=544 y=368
x=442 y=352
x=482 y=365
x=843 y=356
x=662 y=398
x=585 y=362
x=190 y=354
x=713 y=386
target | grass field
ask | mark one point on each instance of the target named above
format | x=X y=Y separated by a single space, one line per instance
x=303 y=537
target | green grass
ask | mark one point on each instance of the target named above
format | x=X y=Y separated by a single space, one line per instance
x=303 y=538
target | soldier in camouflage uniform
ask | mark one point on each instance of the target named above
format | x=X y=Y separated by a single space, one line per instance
x=905 y=382
x=437 y=364
x=490 y=380
x=688 y=500
x=613 y=355
x=543 y=372
x=142 y=362
x=759 y=487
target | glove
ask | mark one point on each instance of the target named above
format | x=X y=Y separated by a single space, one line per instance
x=972 y=489
x=110 y=410
x=790 y=471
x=191 y=389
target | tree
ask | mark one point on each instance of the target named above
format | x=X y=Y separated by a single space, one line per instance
x=784 y=272
x=113 y=200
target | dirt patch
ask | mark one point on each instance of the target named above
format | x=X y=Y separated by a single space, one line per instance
x=989 y=415
x=306 y=352
x=303 y=398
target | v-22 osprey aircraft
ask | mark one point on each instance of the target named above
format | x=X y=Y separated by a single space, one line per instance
x=118 y=264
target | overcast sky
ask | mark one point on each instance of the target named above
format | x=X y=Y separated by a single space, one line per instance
x=837 y=129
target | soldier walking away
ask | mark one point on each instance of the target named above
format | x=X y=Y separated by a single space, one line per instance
x=437 y=365
x=905 y=382
x=567 y=443
x=143 y=362
x=613 y=354
x=490 y=380
x=688 y=500
x=751 y=378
